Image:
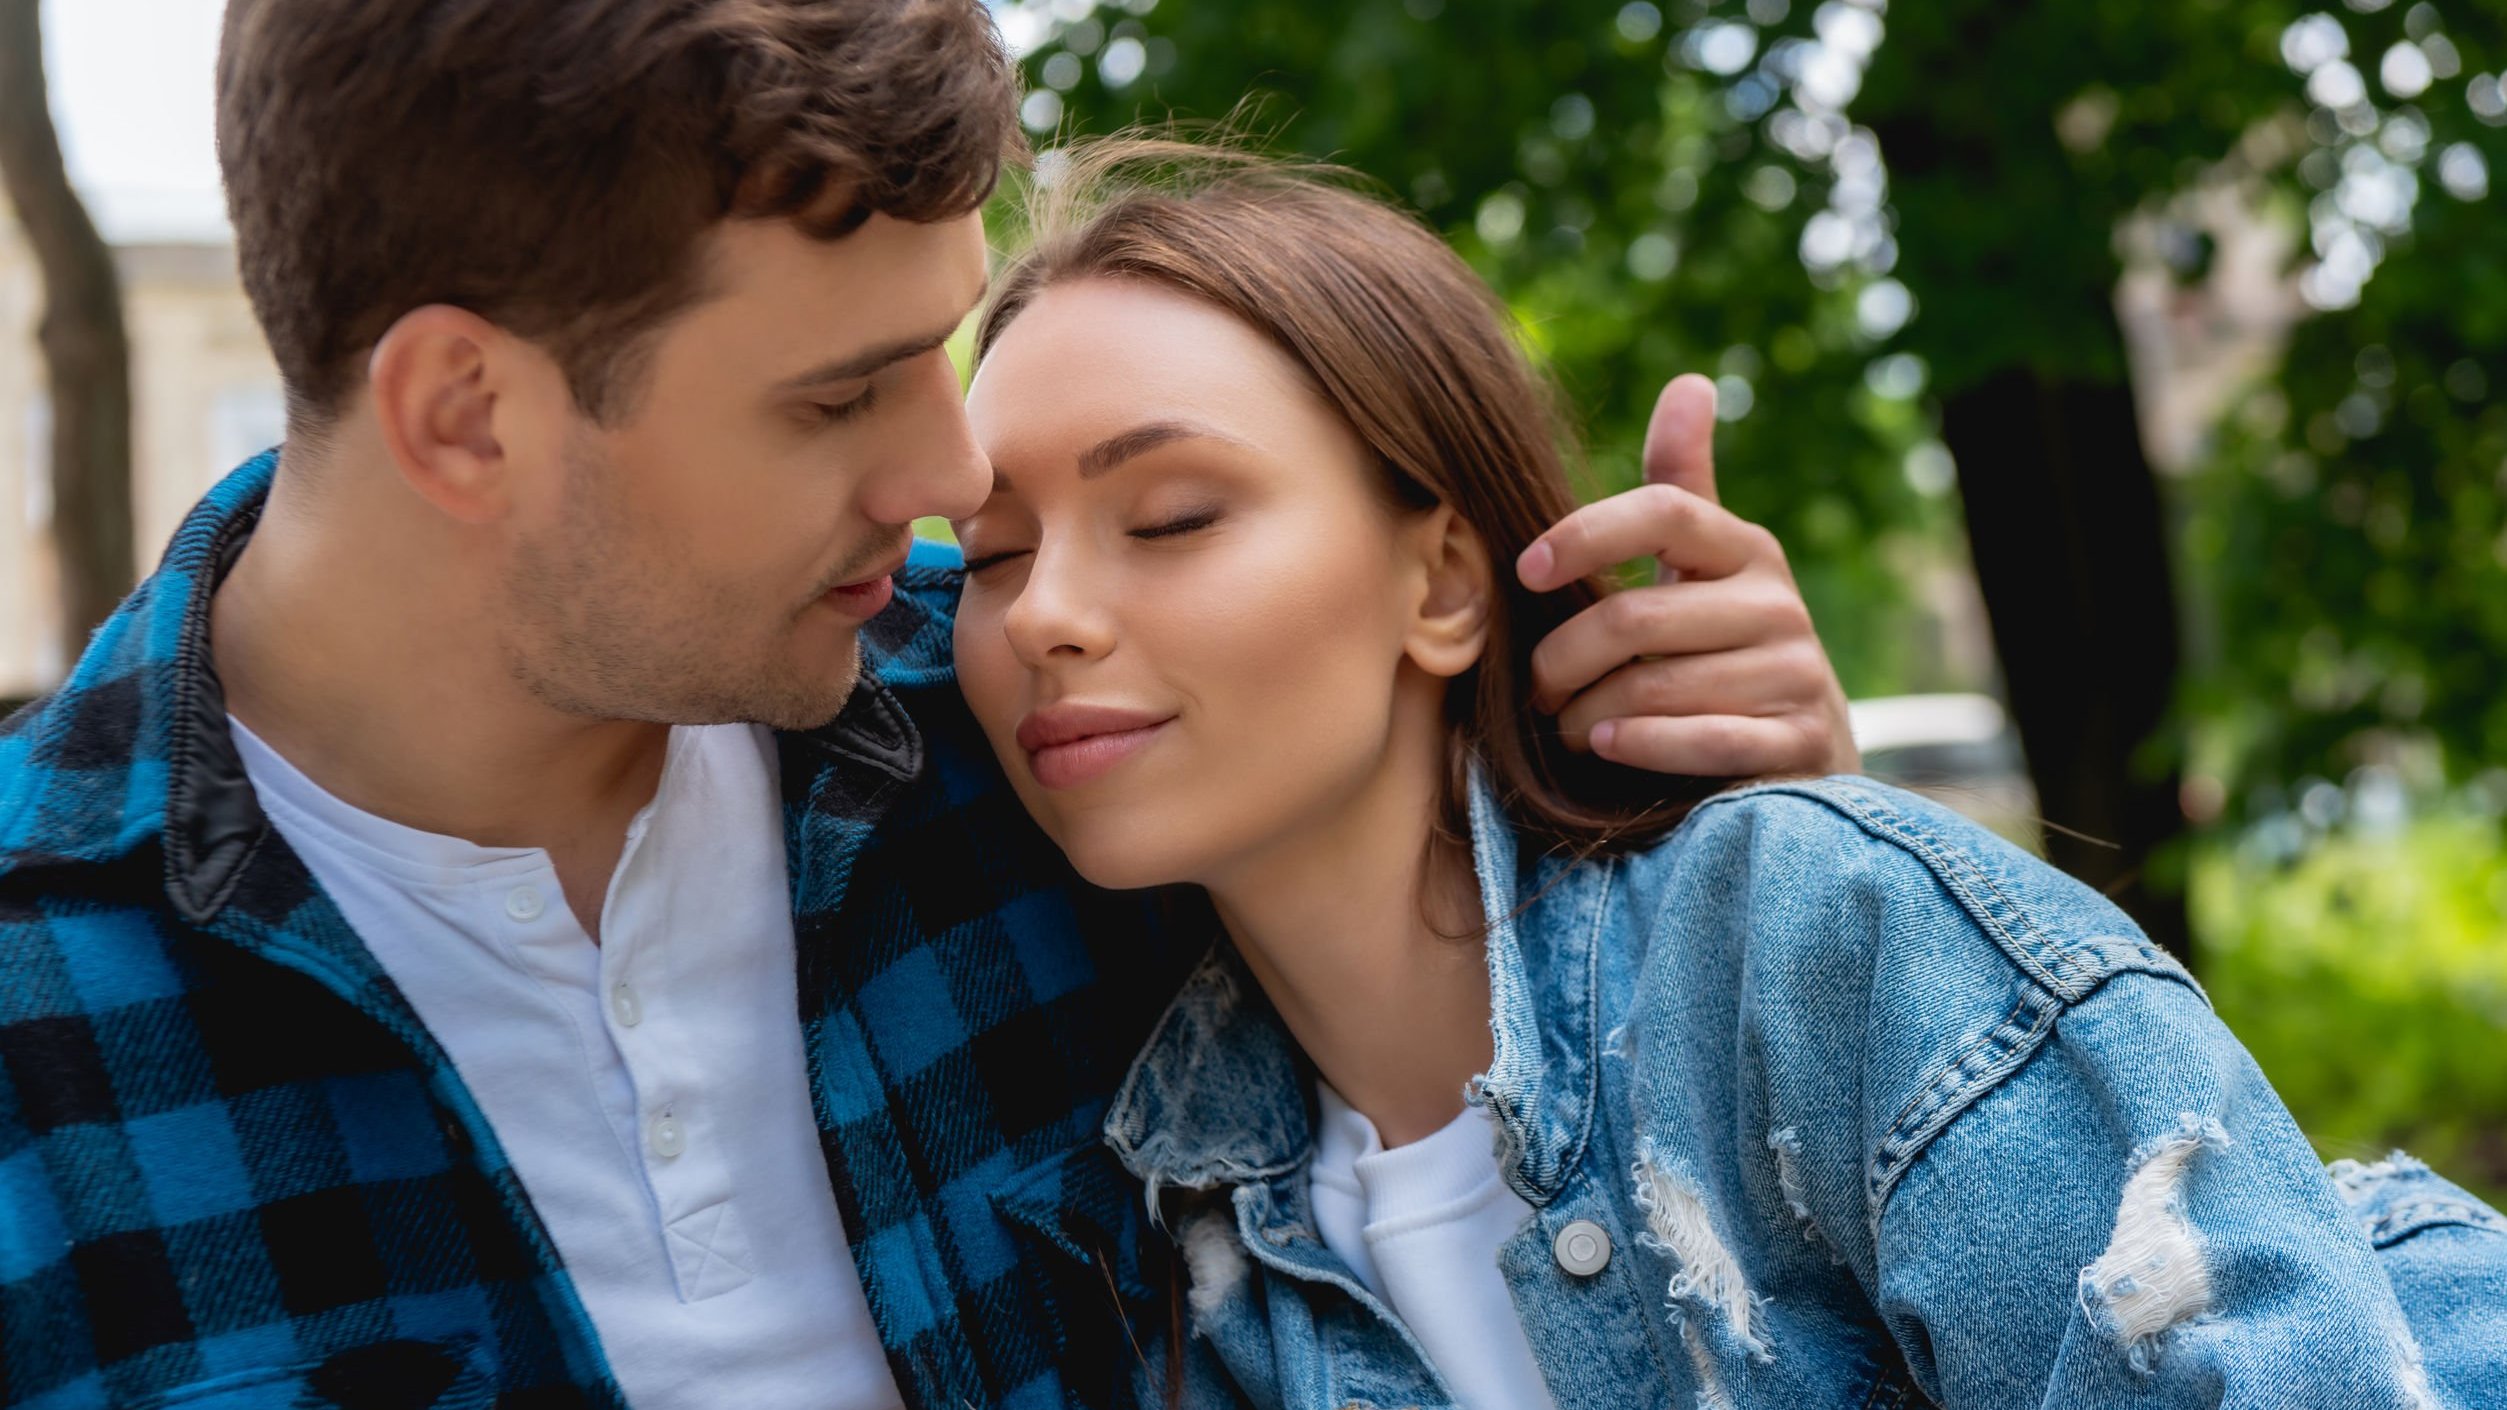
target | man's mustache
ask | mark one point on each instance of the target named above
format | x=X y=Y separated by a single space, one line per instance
x=859 y=565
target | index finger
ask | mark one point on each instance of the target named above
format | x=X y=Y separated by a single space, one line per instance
x=1663 y=522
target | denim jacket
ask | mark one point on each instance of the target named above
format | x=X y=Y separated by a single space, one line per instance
x=1831 y=1099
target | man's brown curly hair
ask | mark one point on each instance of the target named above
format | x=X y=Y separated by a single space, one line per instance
x=552 y=164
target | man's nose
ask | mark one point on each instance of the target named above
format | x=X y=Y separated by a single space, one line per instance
x=939 y=471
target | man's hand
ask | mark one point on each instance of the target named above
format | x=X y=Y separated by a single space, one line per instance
x=1713 y=671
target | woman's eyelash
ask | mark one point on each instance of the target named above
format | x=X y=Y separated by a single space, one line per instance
x=1184 y=524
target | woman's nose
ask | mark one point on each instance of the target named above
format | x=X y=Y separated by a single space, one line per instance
x=1061 y=614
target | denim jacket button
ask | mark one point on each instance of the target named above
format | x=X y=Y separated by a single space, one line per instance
x=1583 y=1248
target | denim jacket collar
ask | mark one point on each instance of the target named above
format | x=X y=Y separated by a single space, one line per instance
x=1220 y=1094
x=1546 y=916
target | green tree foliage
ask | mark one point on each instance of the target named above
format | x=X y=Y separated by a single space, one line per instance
x=2350 y=529
x=2368 y=980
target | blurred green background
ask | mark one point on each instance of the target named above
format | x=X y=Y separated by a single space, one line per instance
x=2137 y=363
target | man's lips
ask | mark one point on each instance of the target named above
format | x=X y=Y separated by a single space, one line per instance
x=867 y=597
x=1068 y=745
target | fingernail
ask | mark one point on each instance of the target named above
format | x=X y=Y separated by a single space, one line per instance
x=1535 y=564
x=1602 y=735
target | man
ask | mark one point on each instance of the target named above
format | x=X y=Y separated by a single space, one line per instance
x=513 y=911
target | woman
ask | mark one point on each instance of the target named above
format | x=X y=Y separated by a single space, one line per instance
x=1509 y=1082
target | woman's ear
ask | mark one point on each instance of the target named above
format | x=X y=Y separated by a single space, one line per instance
x=1450 y=626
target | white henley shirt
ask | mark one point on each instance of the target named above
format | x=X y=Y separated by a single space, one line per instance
x=1421 y=1225
x=650 y=1090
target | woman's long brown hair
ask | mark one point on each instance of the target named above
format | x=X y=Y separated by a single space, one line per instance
x=1418 y=355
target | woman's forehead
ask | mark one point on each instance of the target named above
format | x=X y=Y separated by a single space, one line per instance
x=1093 y=357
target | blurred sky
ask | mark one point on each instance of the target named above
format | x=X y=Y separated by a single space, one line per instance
x=132 y=92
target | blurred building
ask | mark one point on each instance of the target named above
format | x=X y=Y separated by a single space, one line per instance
x=205 y=395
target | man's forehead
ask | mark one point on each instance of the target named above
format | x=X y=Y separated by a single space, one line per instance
x=928 y=267
x=803 y=302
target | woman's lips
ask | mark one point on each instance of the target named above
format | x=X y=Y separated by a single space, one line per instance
x=1068 y=745
x=1070 y=765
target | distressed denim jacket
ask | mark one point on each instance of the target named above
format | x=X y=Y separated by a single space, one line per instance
x=1831 y=1099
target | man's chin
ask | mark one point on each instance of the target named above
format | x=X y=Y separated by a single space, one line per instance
x=813 y=697
x=792 y=696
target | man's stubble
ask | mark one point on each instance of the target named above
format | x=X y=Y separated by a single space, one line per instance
x=606 y=619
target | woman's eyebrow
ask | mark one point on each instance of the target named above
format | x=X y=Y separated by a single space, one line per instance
x=1105 y=455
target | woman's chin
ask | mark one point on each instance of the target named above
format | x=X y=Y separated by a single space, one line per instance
x=1126 y=864
x=1126 y=874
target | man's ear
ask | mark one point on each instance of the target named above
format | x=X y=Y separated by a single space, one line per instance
x=1450 y=626
x=442 y=380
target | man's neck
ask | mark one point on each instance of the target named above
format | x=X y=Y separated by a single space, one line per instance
x=1367 y=943
x=350 y=638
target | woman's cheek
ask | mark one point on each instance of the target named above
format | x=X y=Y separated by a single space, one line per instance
x=987 y=673
x=1262 y=611
x=1301 y=636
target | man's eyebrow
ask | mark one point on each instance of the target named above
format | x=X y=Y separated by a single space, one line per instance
x=1105 y=455
x=866 y=362
x=870 y=360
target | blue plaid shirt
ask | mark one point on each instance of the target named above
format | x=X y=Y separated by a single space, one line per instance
x=236 y=1170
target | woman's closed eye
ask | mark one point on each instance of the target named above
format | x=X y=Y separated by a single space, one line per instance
x=978 y=562
x=979 y=558
x=1187 y=522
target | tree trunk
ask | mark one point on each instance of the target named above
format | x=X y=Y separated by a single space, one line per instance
x=2064 y=523
x=86 y=351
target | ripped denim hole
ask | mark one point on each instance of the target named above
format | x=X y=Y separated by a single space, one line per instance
x=1214 y=1265
x=1708 y=1285
x=1786 y=1142
x=2153 y=1277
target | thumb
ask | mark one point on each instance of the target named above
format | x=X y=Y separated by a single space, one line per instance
x=1680 y=439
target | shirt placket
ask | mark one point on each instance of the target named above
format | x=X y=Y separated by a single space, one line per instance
x=690 y=1184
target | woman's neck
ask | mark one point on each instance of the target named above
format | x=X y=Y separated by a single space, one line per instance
x=1365 y=940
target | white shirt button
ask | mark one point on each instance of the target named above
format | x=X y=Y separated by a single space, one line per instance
x=1582 y=1248
x=523 y=903
x=667 y=1137
x=625 y=1006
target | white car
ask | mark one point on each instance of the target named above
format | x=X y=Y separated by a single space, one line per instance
x=1960 y=750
